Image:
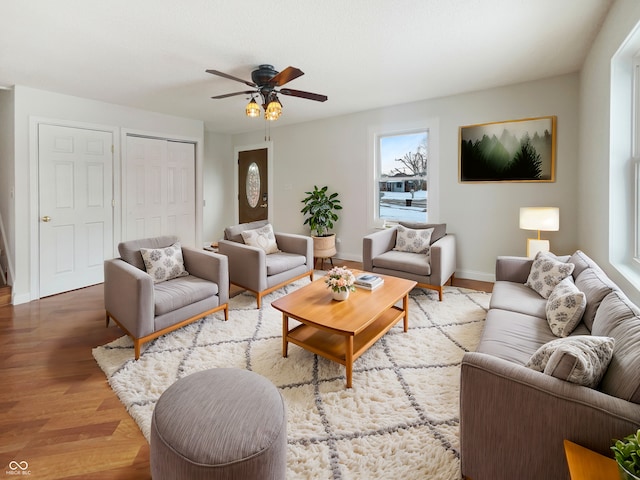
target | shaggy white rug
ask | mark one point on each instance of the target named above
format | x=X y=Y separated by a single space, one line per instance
x=400 y=419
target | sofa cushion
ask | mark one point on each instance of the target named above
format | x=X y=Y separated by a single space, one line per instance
x=416 y=263
x=517 y=297
x=546 y=272
x=283 y=262
x=617 y=317
x=439 y=229
x=262 y=237
x=565 y=307
x=179 y=292
x=580 y=359
x=596 y=285
x=130 y=250
x=413 y=241
x=234 y=233
x=164 y=263
x=582 y=262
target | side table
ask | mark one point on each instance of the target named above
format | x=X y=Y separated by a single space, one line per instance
x=585 y=464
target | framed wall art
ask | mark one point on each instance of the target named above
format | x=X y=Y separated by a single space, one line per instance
x=512 y=151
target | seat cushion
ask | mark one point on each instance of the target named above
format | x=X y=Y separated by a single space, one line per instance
x=282 y=262
x=517 y=297
x=179 y=292
x=416 y=263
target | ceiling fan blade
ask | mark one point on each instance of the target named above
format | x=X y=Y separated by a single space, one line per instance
x=288 y=74
x=308 y=95
x=231 y=77
x=246 y=92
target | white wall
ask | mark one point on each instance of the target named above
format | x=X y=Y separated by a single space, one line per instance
x=336 y=152
x=605 y=173
x=218 y=186
x=30 y=103
x=6 y=167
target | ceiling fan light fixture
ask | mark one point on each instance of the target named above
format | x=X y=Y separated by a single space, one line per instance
x=274 y=109
x=253 y=109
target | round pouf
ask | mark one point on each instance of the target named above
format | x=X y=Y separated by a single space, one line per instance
x=223 y=423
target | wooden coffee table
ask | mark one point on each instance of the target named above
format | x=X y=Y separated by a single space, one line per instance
x=342 y=331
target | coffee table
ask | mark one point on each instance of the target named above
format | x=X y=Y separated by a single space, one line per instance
x=342 y=331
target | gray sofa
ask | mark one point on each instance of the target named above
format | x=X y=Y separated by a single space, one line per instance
x=513 y=419
x=379 y=256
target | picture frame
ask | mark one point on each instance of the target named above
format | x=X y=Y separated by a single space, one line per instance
x=511 y=151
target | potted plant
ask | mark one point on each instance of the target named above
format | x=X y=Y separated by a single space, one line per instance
x=627 y=454
x=320 y=210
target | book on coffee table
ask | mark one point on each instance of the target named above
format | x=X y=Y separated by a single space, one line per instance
x=368 y=281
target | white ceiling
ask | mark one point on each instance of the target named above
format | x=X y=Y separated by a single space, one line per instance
x=362 y=54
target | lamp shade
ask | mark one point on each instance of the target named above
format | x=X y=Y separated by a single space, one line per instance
x=546 y=219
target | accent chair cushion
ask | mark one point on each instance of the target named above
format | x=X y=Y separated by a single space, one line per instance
x=262 y=237
x=180 y=292
x=413 y=241
x=164 y=263
x=416 y=263
x=130 y=250
x=580 y=359
x=565 y=307
x=234 y=233
x=283 y=262
x=439 y=229
x=547 y=272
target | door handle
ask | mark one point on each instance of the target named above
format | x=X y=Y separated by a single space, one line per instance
x=264 y=205
x=46 y=218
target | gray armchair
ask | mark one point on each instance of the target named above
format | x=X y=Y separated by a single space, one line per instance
x=253 y=269
x=378 y=256
x=144 y=309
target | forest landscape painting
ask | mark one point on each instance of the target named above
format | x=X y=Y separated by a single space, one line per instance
x=512 y=151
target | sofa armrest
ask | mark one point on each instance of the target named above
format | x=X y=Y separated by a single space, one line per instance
x=129 y=297
x=376 y=244
x=514 y=419
x=513 y=269
x=247 y=265
x=293 y=243
x=443 y=259
x=209 y=266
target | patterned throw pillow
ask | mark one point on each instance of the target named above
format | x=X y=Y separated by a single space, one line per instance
x=565 y=307
x=547 y=272
x=413 y=241
x=164 y=263
x=262 y=237
x=581 y=359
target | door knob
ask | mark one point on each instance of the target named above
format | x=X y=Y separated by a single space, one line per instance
x=46 y=218
x=264 y=205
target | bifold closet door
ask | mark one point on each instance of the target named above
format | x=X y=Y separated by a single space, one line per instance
x=159 y=189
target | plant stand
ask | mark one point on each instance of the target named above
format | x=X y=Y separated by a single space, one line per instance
x=324 y=248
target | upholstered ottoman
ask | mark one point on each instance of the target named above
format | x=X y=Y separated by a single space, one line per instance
x=222 y=423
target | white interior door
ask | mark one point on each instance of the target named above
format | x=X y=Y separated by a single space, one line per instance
x=159 y=178
x=75 y=177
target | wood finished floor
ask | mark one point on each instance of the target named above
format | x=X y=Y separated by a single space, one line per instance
x=58 y=412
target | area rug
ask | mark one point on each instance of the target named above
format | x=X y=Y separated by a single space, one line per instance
x=400 y=419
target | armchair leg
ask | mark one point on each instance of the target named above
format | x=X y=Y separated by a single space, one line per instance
x=136 y=348
x=226 y=313
x=107 y=315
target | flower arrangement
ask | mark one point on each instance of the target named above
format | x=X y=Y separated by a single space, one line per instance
x=340 y=280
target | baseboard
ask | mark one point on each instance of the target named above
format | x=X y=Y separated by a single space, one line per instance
x=475 y=275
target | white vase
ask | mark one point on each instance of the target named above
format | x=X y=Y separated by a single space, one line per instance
x=340 y=296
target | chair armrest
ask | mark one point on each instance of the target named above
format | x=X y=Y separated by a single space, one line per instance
x=513 y=269
x=209 y=266
x=375 y=244
x=293 y=243
x=514 y=419
x=129 y=297
x=443 y=259
x=247 y=265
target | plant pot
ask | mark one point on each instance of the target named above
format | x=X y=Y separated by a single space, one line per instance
x=625 y=474
x=324 y=246
x=340 y=296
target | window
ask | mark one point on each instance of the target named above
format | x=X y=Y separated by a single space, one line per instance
x=402 y=165
x=635 y=151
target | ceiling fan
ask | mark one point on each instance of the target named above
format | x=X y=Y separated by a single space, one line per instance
x=265 y=81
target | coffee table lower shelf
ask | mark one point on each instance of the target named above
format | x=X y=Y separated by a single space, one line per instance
x=339 y=347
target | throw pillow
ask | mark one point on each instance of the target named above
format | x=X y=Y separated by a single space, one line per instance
x=581 y=359
x=565 y=307
x=413 y=241
x=164 y=263
x=262 y=237
x=547 y=272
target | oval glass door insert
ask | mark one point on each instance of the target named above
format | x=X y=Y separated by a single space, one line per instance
x=253 y=185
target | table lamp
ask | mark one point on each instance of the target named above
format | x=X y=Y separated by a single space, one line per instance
x=541 y=219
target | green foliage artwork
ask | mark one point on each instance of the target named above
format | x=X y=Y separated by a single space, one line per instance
x=519 y=150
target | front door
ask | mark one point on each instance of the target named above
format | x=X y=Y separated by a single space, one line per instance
x=75 y=176
x=253 y=193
